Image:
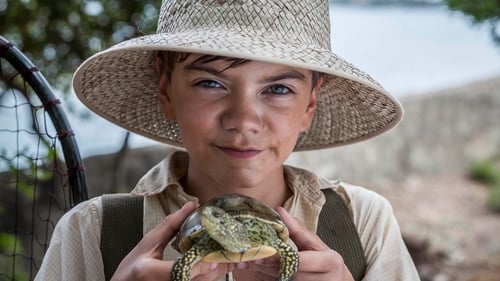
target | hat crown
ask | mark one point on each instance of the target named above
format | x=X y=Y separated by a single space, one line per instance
x=300 y=22
x=121 y=83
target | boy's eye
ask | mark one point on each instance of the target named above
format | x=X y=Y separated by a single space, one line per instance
x=209 y=84
x=279 y=90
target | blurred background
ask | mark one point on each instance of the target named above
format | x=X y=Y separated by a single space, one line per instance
x=439 y=168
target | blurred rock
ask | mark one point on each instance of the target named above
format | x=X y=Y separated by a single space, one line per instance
x=442 y=132
x=100 y=169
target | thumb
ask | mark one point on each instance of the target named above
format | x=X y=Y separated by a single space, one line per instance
x=301 y=236
x=152 y=246
x=171 y=223
x=159 y=237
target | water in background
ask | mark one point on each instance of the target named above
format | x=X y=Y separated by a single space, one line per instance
x=414 y=49
x=408 y=49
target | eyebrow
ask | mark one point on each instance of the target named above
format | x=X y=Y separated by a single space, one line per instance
x=201 y=67
x=286 y=75
x=293 y=74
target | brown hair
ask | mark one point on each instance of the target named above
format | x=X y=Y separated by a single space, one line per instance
x=168 y=60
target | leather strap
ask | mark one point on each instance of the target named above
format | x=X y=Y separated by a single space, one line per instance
x=337 y=230
x=121 y=228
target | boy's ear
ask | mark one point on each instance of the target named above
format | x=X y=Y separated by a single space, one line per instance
x=165 y=102
x=311 y=106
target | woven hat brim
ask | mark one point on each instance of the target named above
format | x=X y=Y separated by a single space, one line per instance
x=120 y=84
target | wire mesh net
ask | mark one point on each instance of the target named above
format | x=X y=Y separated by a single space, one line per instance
x=35 y=187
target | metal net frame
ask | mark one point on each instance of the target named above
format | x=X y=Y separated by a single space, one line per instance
x=41 y=170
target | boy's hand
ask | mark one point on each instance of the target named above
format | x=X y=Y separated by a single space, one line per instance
x=317 y=260
x=145 y=262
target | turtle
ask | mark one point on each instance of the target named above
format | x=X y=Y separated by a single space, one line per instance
x=233 y=228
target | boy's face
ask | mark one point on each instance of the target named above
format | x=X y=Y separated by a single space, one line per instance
x=238 y=124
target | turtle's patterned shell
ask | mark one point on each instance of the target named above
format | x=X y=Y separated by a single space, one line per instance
x=235 y=204
x=233 y=228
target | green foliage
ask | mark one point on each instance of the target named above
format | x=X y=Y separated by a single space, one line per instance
x=8 y=243
x=481 y=11
x=57 y=37
x=488 y=172
x=494 y=198
x=27 y=171
x=24 y=174
x=485 y=172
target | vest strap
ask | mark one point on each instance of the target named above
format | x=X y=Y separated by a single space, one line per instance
x=121 y=228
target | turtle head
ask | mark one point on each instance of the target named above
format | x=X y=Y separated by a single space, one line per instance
x=231 y=234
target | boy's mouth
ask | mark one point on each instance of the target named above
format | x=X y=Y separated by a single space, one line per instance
x=241 y=153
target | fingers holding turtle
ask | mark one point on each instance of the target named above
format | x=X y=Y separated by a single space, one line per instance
x=230 y=229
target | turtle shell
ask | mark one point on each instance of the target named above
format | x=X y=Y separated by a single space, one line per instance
x=236 y=205
x=233 y=228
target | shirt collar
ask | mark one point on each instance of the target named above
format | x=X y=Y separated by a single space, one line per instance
x=173 y=168
x=163 y=180
x=165 y=174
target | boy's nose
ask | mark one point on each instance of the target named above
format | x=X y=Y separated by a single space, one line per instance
x=242 y=115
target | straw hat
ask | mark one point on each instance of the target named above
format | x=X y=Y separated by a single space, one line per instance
x=120 y=83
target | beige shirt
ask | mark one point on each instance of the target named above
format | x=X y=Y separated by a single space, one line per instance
x=74 y=252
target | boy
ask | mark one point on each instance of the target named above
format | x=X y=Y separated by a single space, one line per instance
x=239 y=85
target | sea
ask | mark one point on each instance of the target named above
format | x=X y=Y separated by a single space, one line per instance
x=409 y=49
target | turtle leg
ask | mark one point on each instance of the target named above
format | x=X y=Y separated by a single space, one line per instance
x=181 y=271
x=289 y=260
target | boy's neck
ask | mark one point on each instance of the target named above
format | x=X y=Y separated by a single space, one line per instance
x=273 y=192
